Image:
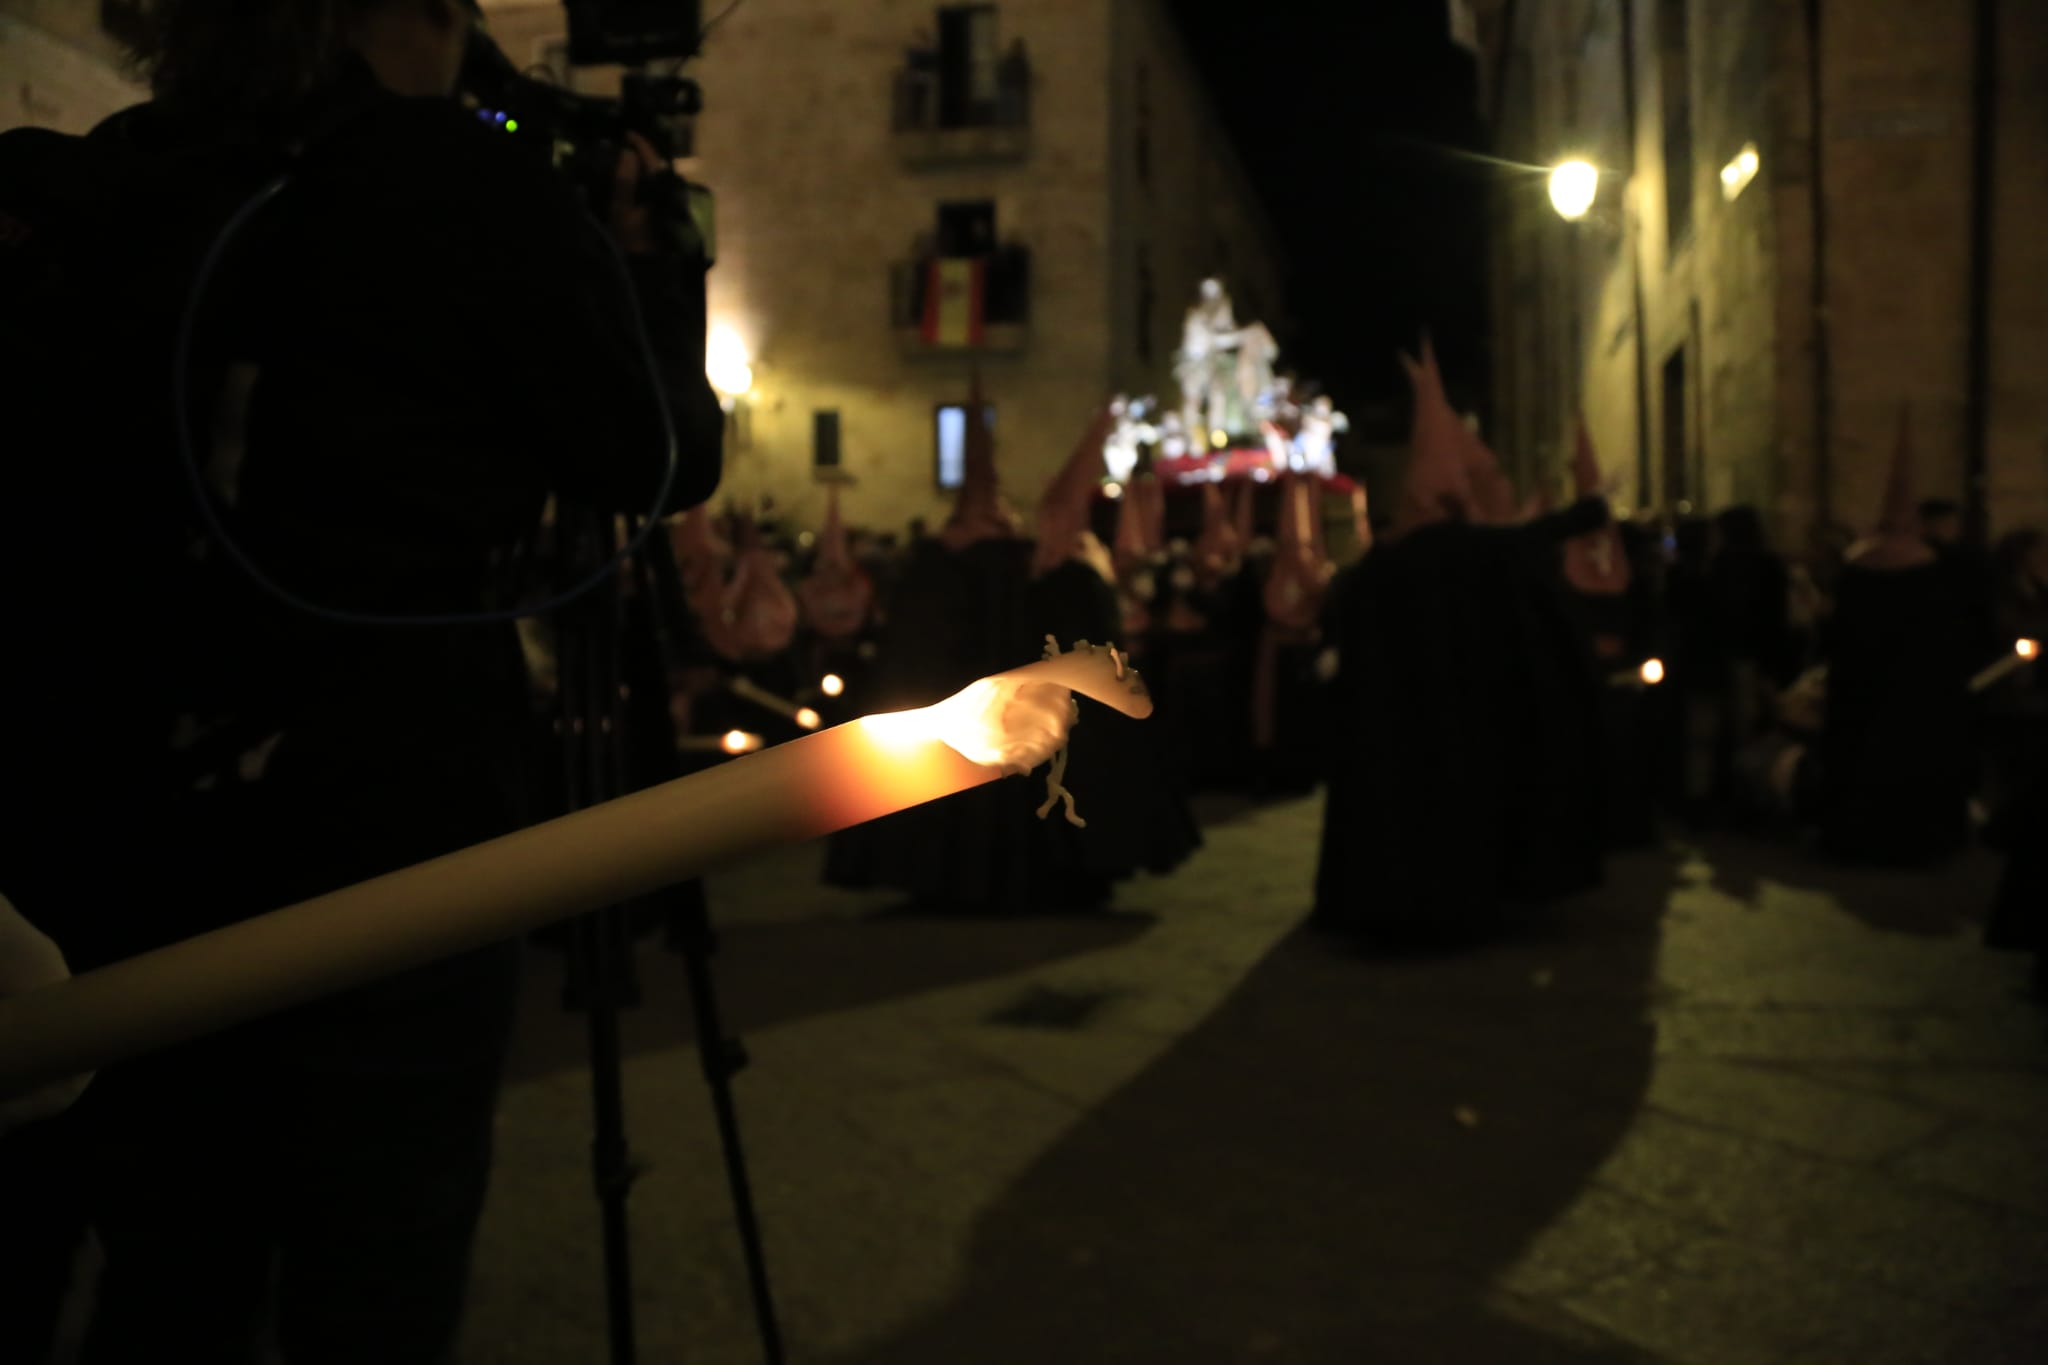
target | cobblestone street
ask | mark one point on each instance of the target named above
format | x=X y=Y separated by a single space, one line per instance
x=1737 y=1107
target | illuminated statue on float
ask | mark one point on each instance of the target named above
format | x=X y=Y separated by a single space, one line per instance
x=1133 y=432
x=1315 y=444
x=1208 y=361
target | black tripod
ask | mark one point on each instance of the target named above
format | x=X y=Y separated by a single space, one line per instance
x=592 y=639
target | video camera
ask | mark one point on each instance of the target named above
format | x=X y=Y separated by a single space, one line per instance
x=583 y=135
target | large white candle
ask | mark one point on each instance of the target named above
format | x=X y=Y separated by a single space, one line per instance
x=609 y=853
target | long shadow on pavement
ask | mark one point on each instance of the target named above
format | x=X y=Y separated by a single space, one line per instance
x=767 y=974
x=1336 y=1166
x=1936 y=901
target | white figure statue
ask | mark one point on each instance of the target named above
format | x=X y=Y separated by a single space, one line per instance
x=1208 y=342
x=1253 y=380
x=1315 y=445
x=1131 y=433
x=1173 y=437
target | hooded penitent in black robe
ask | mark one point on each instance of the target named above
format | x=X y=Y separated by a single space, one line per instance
x=965 y=614
x=1466 y=727
x=1619 y=633
x=1896 y=756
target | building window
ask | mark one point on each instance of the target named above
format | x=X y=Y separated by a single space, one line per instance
x=1145 y=302
x=1674 y=82
x=967 y=228
x=825 y=438
x=968 y=62
x=949 y=441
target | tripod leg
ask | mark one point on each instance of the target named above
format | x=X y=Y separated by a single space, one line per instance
x=722 y=1058
x=599 y=973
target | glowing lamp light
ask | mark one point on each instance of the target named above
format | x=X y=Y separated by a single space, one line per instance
x=1652 y=672
x=726 y=364
x=807 y=718
x=1736 y=175
x=1573 y=187
x=2027 y=649
x=739 y=742
x=832 y=684
x=1219 y=438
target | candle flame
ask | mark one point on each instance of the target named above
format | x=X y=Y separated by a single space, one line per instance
x=739 y=742
x=2027 y=649
x=832 y=684
x=1652 y=671
x=1002 y=723
x=807 y=718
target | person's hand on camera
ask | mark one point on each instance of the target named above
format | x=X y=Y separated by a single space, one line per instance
x=632 y=219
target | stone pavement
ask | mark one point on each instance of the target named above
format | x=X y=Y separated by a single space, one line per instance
x=1736 y=1107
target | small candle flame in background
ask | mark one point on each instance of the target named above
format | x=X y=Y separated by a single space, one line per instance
x=2027 y=649
x=739 y=742
x=807 y=718
x=832 y=684
x=1652 y=671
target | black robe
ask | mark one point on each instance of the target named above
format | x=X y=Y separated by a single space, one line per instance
x=963 y=615
x=1465 y=725
x=1897 y=754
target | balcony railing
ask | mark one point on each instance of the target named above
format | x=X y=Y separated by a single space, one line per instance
x=937 y=121
x=926 y=322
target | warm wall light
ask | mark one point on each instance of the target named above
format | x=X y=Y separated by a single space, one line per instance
x=1573 y=187
x=726 y=364
x=1737 y=174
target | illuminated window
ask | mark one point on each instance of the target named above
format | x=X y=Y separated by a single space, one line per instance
x=949 y=443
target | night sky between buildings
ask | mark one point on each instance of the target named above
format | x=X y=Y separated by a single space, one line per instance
x=1357 y=120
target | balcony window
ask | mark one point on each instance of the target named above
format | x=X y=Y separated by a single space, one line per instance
x=941 y=303
x=961 y=96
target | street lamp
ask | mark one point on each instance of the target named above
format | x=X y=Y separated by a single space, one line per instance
x=1573 y=187
x=726 y=365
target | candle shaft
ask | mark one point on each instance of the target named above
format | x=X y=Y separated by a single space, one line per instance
x=474 y=896
x=762 y=697
x=609 y=853
x=1998 y=672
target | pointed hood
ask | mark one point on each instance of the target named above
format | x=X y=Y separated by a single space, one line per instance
x=832 y=551
x=760 y=611
x=1361 y=519
x=1595 y=563
x=837 y=595
x=1219 y=549
x=1898 y=543
x=979 y=511
x=1064 y=506
x=1134 y=526
x=1493 y=494
x=1294 y=590
x=1585 y=468
x=1436 y=487
x=1153 y=490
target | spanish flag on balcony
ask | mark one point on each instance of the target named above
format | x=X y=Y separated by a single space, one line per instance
x=955 y=300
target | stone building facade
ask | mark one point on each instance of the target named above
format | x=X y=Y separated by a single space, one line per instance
x=1745 y=328
x=849 y=145
x=839 y=170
